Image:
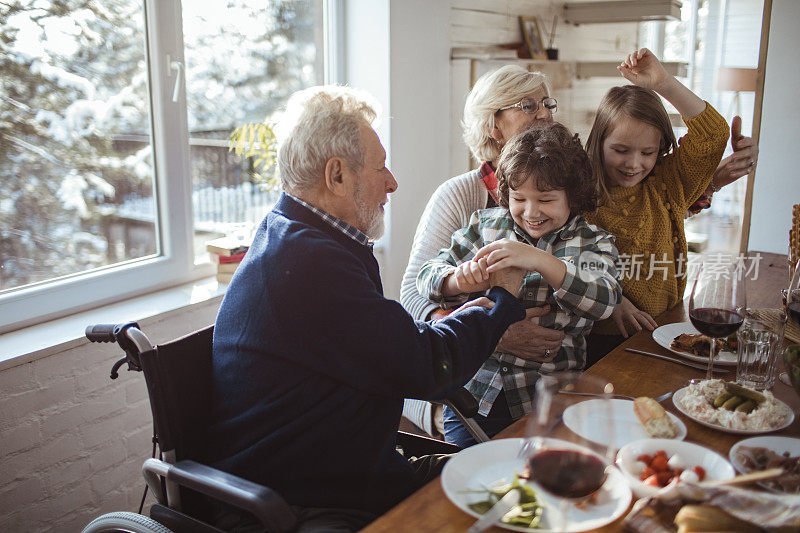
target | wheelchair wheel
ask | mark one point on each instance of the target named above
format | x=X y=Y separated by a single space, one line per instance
x=124 y=522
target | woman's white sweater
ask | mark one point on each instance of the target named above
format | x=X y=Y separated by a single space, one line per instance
x=448 y=210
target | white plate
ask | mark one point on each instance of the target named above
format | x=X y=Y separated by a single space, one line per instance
x=665 y=334
x=678 y=396
x=778 y=445
x=484 y=464
x=626 y=426
x=716 y=466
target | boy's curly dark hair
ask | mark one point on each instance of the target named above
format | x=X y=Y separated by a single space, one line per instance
x=554 y=157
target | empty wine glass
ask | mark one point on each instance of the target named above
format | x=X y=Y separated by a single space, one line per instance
x=570 y=466
x=717 y=303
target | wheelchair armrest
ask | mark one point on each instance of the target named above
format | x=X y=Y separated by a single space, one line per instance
x=264 y=503
x=465 y=407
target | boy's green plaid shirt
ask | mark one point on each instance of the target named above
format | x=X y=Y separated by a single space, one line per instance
x=589 y=293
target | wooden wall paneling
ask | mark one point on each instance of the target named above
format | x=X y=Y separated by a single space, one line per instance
x=495 y=22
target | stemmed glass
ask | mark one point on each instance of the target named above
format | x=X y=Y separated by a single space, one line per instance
x=717 y=304
x=791 y=301
x=563 y=463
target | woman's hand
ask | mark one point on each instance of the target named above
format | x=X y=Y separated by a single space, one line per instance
x=470 y=276
x=740 y=163
x=643 y=68
x=627 y=313
x=530 y=341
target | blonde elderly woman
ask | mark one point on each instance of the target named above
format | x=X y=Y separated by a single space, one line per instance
x=502 y=104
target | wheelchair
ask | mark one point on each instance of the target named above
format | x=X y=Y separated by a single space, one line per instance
x=178 y=379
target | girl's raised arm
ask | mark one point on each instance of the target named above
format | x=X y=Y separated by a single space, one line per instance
x=643 y=68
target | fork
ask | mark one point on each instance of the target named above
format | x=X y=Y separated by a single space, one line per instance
x=659 y=399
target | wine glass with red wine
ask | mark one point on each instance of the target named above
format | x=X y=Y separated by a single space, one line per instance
x=717 y=304
x=562 y=463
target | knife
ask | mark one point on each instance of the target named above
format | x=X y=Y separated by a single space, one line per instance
x=496 y=513
x=698 y=366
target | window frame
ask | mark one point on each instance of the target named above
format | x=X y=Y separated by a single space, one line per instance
x=174 y=263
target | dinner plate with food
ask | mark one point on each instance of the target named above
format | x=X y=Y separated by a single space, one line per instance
x=477 y=477
x=732 y=408
x=625 y=421
x=761 y=453
x=683 y=339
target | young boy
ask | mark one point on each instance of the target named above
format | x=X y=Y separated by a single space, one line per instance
x=545 y=183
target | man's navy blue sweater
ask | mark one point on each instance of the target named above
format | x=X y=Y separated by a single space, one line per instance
x=311 y=365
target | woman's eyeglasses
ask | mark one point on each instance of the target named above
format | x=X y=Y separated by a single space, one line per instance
x=529 y=106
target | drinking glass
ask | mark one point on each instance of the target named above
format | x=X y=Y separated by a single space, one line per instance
x=793 y=296
x=717 y=302
x=562 y=463
x=760 y=342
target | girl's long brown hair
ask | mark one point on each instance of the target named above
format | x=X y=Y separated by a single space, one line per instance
x=640 y=104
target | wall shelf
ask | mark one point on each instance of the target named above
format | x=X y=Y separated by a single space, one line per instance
x=566 y=69
x=621 y=11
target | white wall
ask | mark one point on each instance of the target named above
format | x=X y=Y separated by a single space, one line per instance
x=414 y=90
x=72 y=441
x=777 y=180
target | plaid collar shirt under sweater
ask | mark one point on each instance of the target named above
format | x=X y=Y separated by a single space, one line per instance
x=341 y=225
x=588 y=293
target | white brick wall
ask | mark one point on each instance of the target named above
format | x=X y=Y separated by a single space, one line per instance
x=72 y=441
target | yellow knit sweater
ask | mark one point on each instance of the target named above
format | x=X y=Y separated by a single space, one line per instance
x=647 y=219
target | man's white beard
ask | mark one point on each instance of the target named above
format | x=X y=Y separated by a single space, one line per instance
x=370 y=220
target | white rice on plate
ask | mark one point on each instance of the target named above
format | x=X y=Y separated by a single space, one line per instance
x=698 y=402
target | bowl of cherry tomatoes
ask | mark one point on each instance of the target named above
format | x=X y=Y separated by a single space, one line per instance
x=651 y=464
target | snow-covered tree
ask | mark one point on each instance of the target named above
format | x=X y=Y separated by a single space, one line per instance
x=73 y=93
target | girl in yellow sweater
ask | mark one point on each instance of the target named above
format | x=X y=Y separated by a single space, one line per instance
x=649 y=181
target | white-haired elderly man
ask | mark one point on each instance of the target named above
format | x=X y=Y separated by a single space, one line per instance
x=311 y=362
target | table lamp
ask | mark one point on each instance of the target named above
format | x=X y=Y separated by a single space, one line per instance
x=737 y=80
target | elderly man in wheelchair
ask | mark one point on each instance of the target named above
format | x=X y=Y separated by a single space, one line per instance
x=310 y=363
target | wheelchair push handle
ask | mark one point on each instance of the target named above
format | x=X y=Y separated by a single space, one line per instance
x=129 y=338
x=102 y=332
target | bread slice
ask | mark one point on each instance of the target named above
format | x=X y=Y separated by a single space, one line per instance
x=654 y=419
x=693 y=518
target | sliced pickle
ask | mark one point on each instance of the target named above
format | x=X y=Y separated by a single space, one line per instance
x=744 y=392
x=721 y=399
x=733 y=403
x=746 y=407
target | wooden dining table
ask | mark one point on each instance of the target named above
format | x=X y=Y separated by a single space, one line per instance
x=429 y=509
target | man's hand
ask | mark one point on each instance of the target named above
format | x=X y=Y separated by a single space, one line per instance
x=627 y=313
x=530 y=341
x=483 y=301
x=740 y=163
x=509 y=278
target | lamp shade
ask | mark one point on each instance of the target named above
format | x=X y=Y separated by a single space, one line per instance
x=736 y=79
